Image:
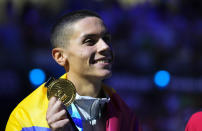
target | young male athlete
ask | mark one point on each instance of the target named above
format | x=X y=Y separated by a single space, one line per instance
x=81 y=44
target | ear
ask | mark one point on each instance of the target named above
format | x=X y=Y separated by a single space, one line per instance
x=59 y=56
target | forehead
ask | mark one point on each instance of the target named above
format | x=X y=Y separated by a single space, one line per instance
x=88 y=25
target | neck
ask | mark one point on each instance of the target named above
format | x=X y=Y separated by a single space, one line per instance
x=85 y=86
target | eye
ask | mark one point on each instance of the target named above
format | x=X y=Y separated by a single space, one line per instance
x=90 y=42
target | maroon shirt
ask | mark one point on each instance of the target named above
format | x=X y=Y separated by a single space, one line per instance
x=119 y=116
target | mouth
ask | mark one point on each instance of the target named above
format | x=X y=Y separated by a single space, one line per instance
x=103 y=60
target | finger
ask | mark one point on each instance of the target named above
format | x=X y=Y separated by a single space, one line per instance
x=60 y=124
x=58 y=116
x=50 y=105
x=57 y=106
x=52 y=101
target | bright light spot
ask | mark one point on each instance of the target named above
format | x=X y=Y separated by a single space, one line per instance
x=36 y=76
x=162 y=78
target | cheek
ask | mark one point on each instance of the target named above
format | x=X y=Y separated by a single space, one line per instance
x=88 y=54
x=82 y=56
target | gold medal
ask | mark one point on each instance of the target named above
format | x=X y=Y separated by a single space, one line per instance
x=62 y=89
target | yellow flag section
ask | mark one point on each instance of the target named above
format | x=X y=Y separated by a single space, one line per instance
x=30 y=112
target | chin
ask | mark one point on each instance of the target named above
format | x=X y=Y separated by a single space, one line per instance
x=100 y=75
x=105 y=75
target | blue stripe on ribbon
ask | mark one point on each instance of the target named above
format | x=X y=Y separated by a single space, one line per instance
x=77 y=121
x=75 y=116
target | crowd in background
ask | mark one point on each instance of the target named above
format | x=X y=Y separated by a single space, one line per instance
x=147 y=36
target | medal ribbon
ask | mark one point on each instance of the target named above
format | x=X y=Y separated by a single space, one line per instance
x=75 y=116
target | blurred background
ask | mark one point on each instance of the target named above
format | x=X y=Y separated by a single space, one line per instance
x=158 y=54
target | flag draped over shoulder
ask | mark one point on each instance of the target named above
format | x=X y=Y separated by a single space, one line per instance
x=30 y=114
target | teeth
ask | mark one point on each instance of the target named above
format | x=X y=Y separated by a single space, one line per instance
x=102 y=61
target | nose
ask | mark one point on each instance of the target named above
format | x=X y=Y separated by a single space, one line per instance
x=102 y=46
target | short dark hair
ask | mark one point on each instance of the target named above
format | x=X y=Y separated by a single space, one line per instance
x=61 y=30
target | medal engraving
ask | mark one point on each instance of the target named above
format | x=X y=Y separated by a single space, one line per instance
x=62 y=89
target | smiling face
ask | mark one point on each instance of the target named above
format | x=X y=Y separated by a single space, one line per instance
x=88 y=51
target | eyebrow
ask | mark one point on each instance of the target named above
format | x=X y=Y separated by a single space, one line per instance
x=95 y=35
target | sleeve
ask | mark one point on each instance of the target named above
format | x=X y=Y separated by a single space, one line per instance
x=194 y=123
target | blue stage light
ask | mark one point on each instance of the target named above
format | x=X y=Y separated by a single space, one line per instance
x=36 y=76
x=162 y=78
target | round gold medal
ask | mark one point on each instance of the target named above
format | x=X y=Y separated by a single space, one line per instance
x=62 y=89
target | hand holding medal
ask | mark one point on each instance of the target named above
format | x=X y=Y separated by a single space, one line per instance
x=65 y=92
